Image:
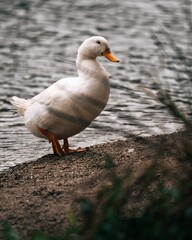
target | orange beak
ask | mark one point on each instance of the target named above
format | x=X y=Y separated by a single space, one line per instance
x=108 y=54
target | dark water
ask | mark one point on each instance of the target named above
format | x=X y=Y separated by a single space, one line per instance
x=38 y=44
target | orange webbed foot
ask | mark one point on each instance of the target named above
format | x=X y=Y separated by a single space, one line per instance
x=69 y=150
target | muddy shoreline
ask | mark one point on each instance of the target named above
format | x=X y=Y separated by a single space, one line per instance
x=40 y=194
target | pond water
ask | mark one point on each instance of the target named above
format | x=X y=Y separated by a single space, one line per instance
x=38 y=44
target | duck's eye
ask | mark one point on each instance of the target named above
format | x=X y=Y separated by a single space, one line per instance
x=98 y=42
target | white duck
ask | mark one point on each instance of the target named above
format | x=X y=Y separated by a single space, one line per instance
x=69 y=105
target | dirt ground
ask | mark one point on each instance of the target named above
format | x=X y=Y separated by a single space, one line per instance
x=41 y=194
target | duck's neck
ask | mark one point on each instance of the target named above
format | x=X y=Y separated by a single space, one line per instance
x=90 y=68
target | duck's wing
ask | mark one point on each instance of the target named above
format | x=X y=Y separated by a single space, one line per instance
x=56 y=93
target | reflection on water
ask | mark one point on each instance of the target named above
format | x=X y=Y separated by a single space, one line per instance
x=38 y=44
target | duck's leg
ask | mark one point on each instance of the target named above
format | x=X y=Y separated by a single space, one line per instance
x=68 y=150
x=66 y=145
x=53 y=139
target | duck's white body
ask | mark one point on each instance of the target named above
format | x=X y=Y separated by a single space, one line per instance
x=69 y=105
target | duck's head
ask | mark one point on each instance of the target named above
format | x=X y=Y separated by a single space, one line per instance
x=96 y=46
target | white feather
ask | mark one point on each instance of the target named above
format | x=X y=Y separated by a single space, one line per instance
x=20 y=104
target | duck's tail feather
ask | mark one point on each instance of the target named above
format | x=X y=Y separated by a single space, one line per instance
x=20 y=104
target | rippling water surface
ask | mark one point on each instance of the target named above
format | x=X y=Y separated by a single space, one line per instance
x=38 y=44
